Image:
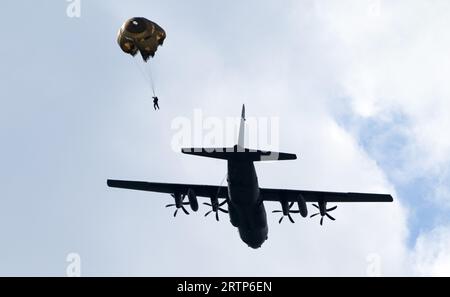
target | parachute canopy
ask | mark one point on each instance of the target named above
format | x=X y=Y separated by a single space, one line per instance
x=140 y=35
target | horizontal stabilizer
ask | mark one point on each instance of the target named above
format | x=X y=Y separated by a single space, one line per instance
x=238 y=153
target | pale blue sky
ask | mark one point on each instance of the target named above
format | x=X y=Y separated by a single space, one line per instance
x=354 y=86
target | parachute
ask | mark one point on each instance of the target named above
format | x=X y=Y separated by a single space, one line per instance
x=140 y=35
x=144 y=36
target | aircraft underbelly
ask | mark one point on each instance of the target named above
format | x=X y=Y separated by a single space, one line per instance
x=248 y=215
x=254 y=238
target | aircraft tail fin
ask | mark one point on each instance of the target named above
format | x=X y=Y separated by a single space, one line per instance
x=241 y=139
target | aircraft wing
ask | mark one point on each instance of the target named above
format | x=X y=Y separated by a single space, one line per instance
x=200 y=190
x=316 y=196
x=278 y=195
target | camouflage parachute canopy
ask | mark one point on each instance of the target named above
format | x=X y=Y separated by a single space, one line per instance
x=140 y=35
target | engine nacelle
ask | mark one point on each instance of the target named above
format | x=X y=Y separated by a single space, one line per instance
x=302 y=206
x=322 y=207
x=193 y=202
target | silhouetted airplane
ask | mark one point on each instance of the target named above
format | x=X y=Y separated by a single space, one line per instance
x=243 y=195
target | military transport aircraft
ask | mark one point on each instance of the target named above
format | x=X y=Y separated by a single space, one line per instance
x=244 y=197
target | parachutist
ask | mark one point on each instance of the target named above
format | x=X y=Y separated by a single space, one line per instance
x=155 y=103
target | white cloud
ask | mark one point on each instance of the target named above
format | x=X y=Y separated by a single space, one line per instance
x=397 y=61
x=431 y=254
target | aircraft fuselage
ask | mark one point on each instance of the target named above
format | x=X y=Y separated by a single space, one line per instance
x=246 y=209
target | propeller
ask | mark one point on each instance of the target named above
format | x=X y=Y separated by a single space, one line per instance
x=323 y=212
x=216 y=207
x=286 y=211
x=179 y=204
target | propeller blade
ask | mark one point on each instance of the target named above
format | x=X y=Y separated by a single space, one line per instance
x=276 y=211
x=321 y=221
x=331 y=209
x=170 y=205
x=314 y=215
x=186 y=203
x=291 y=204
x=223 y=210
x=206 y=214
x=175 y=213
x=291 y=219
x=316 y=206
x=294 y=211
x=217 y=216
x=223 y=202
x=281 y=219
x=207 y=204
x=184 y=209
x=330 y=217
